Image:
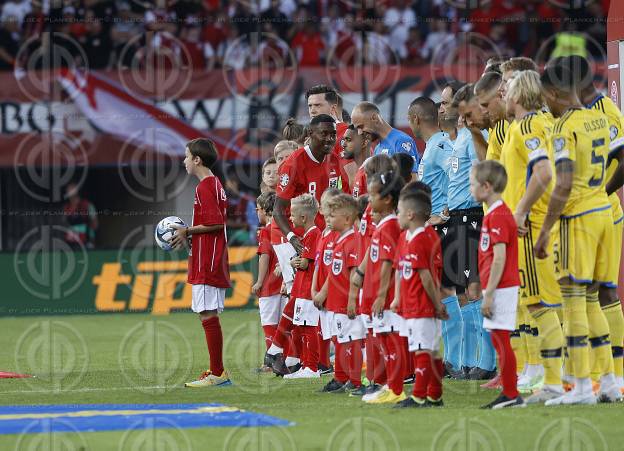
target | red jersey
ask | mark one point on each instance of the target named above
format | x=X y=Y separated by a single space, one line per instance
x=418 y=250
x=324 y=256
x=499 y=226
x=383 y=246
x=341 y=128
x=272 y=284
x=359 y=184
x=208 y=256
x=301 y=173
x=302 y=285
x=344 y=258
x=365 y=232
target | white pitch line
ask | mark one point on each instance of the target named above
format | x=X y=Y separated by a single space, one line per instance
x=90 y=389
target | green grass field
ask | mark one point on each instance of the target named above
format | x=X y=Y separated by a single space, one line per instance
x=146 y=359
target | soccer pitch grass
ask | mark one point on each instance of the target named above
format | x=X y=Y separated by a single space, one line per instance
x=124 y=359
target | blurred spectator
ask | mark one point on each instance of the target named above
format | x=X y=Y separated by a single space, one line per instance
x=96 y=43
x=192 y=51
x=241 y=208
x=399 y=19
x=81 y=219
x=124 y=33
x=308 y=45
x=439 y=38
x=412 y=51
x=233 y=51
x=18 y=9
x=273 y=20
x=9 y=42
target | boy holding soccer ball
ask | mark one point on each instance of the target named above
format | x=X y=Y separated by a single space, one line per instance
x=208 y=271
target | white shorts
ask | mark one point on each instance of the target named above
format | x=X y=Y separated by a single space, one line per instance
x=327 y=320
x=503 y=310
x=271 y=309
x=207 y=297
x=367 y=321
x=306 y=313
x=346 y=330
x=285 y=252
x=423 y=334
x=388 y=321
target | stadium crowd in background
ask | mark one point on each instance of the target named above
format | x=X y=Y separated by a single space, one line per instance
x=237 y=34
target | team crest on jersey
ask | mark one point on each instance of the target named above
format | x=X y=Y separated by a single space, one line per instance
x=485 y=241
x=374 y=253
x=559 y=144
x=336 y=266
x=363 y=225
x=356 y=192
x=613 y=132
x=327 y=257
x=284 y=179
x=454 y=164
x=532 y=143
x=333 y=182
x=407 y=146
x=407 y=270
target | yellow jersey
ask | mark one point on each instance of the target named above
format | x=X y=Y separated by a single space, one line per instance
x=582 y=136
x=526 y=144
x=616 y=132
x=496 y=139
x=548 y=117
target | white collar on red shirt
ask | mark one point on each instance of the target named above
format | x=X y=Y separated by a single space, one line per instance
x=410 y=235
x=387 y=218
x=345 y=234
x=326 y=232
x=309 y=230
x=309 y=152
x=494 y=206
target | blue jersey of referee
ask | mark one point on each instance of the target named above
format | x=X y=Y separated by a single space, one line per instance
x=463 y=157
x=398 y=141
x=432 y=169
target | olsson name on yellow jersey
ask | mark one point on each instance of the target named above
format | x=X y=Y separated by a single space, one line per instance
x=526 y=144
x=582 y=136
x=616 y=136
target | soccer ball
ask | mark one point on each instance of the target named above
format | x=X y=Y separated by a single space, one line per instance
x=164 y=232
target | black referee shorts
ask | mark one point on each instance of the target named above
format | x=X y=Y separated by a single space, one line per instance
x=460 y=247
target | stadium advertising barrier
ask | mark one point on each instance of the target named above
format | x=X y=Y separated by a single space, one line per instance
x=135 y=280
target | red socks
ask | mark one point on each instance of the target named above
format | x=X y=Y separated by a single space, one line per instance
x=394 y=360
x=422 y=373
x=310 y=352
x=434 y=390
x=507 y=362
x=214 y=340
x=355 y=360
x=269 y=332
x=375 y=368
x=340 y=362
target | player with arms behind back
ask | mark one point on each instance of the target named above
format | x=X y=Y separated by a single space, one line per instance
x=208 y=257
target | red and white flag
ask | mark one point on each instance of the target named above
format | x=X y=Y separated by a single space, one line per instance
x=112 y=110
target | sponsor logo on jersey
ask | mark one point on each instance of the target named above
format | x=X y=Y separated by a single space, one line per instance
x=485 y=242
